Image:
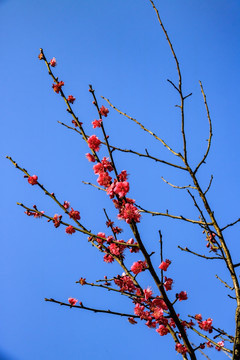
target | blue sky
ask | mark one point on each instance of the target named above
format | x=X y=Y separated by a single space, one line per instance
x=118 y=47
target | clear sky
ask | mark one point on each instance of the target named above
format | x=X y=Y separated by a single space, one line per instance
x=118 y=47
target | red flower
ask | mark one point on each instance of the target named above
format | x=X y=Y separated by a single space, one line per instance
x=66 y=204
x=125 y=283
x=102 y=235
x=182 y=296
x=164 y=265
x=206 y=325
x=94 y=142
x=57 y=87
x=53 y=62
x=75 y=123
x=121 y=188
x=98 y=168
x=129 y=213
x=108 y=258
x=109 y=223
x=74 y=214
x=71 y=99
x=198 y=317
x=70 y=230
x=147 y=293
x=57 y=220
x=168 y=283
x=72 y=301
x=33 y=179
x=209 y=345
x=138 y=267
x=90 y=157
x=104 y=179
x=82 y=281
x=132 y=321
x=96 y=123
x=117 y=249
x=219 y=345
x=102 y=166
x=162 y=330
x=133 y=249
x=116 y=230
x=159 y=303
x=181 y=348
x=107 y=164
x=103 y=111
x=123 y=175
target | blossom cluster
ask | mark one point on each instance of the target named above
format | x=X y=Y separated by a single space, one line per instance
x=152 y=309
x=205 y=325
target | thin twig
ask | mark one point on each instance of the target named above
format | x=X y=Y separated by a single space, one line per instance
x=155 y=213
x=208 y=339
x=69 y=108
x=210 y=183
x=143 y=127
x=146 y=156
x=199 y=349
x=91 y=309
x=178 y=187
x=226 y=285
x=210 y=130
x=70 y=127
x=110 y=289
x=51 y=195
x=98 y=187
x=161 y=252
x=202 y=256
x=235 y=222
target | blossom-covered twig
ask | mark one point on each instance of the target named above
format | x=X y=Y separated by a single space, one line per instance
x=51 y=195
x=69 y=108
x=209 y=339
x=130 y=295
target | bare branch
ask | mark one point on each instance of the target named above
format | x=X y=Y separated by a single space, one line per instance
x=202 y=256
x=235 y=222
x=155 y=213
x=210 y=130
x=143 y=127
x=200 y=211
x=199 y=349
x=210 y=183
x=226 y=285
x=91 y=309
x=161 y=252
x=146 y=155
x=98 y=187
x=70 y=127
x=179 y=187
